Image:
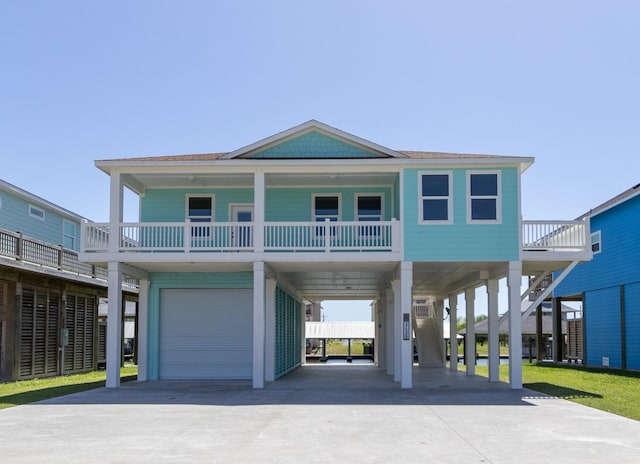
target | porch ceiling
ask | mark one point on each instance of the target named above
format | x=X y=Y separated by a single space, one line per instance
x=138 y=182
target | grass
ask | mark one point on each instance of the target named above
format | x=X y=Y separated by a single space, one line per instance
x=339 y=347
x=28 y=391
x=609 y=390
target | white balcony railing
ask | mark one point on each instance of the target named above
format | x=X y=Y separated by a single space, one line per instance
x=327 y=236
x=234 y=236
x=555 y=235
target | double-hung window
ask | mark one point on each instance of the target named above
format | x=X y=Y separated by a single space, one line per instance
x=483 y=197
x=200 y=213
x=369 y=209
x=436 y=201
x=326 y=206
x=596 y=242
x=68 y=234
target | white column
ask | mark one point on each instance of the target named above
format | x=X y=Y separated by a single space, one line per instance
x=453 y=332
x=494 y=338
x=258 y=211
x=115 y=211
x=270 y=330
x=514 y=282
x=406 y=331
x=142 y=329
x=114 y=325
x=258 y=324
x=470 y=337
x=397 y=330
x=303 y=335
x=378 y=343
x=390 y=339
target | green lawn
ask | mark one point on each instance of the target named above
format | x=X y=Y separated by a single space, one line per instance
x=28 y=391
x=608 y=390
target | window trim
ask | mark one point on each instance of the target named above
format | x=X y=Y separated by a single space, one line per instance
x=326 y=195
x=421 y=198
x=497 y=197
x=597 y=233
x=356 y=216
x=38 y=216
x=199 y=195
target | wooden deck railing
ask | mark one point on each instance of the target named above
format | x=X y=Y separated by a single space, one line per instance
x=21 y=248
x=555 y=235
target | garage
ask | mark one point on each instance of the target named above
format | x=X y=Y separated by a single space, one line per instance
x=206 y=334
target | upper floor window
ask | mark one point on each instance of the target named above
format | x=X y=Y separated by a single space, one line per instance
x=483 y=197
x=326 y=206
x=68 y=234
x=36 y=212
x=200 y=209
x=436 y=201
x=596 y=242
x=368 y=207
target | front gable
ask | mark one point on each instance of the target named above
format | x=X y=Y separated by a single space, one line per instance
x=314 y=145
x=313 y=140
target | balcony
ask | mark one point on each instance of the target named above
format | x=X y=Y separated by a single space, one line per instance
x=189 y=237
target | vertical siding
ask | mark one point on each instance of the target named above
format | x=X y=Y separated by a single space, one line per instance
x=14 y=216
x=632 y=325
x=162 y=280
x=603 y=327
x=461 y=241
x=288 y=339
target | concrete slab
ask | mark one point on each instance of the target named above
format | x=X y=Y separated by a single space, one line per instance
x=317 y=414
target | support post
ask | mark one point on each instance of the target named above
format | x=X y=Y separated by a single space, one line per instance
x=539 y=335
x=142 y=329
x=406 y=328
x=397 y=330
x=453 y=332
x=258 y=324
x=258 y=211
x=114 y=325
x=493 y=335
x=558 y=339
x=514 y=280
x=470 y=338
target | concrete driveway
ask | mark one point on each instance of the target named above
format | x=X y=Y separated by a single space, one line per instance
x=317 y=414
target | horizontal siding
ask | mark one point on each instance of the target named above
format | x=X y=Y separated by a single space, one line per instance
x=632 y=325
x=295 y=204
x=603 y=327
x=619 y=261
x=461 y=241
x=14 y=216
x=168 y=205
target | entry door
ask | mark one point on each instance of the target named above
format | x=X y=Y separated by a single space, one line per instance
x=241 y=236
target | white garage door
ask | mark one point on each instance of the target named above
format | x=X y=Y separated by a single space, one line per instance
x=206 y=334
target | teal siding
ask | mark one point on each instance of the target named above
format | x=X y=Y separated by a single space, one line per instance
x=288 y=340
x=461 y=241
x=183 y=280
x=313 y=145
x=14 y=217
x=169 y=205
x=295 y=204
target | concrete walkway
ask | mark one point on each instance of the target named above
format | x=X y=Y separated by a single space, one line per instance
x=317 y=414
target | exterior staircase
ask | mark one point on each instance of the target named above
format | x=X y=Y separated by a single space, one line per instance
x=428 y=339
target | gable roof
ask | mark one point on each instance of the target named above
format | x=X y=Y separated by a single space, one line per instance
x=308 y=127
x=39 y=201
x=624 y=196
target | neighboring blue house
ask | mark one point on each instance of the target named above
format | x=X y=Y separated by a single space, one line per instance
x=229 y=248
x=609 y=285
x=48 y=298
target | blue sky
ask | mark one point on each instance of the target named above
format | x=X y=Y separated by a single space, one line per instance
x=82 y=81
